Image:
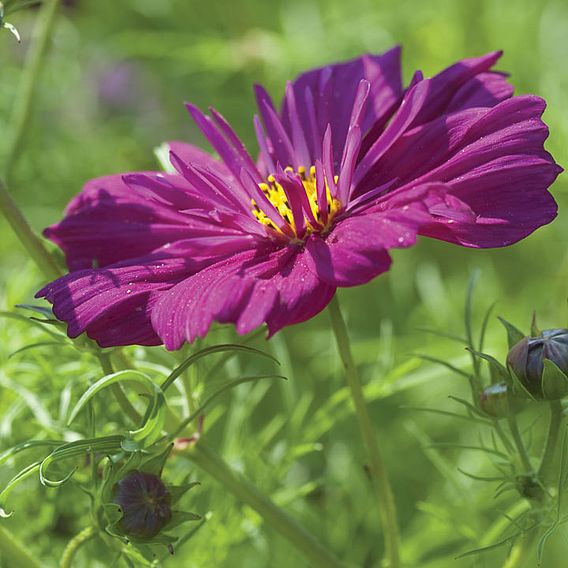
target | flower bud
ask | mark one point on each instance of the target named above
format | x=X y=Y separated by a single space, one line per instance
x=494 y=400
x=541 y=364
x=145 y=504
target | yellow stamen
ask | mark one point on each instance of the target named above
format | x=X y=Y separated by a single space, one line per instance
x=277 y=196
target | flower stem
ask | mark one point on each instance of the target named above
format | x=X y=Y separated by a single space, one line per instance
x=518 y=555
x=213 y=464
x=27 y=86
x=386 y=502
x=519 y=444
x=20 y=118
x=74 y=544
x=13 y=553
x=547 y=463
x=31 y=242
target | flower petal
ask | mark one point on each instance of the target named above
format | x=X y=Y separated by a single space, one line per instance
x=113 y=304
x=491 y=160
x=273 y=286
x=333 y=89
x=193 y=155
x=109 y=222
x=356 y=250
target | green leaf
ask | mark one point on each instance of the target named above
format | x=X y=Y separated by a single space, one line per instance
x=18 y=478
x=152 y=428
x=443 y=334
x=554 y=381
x=519 y=385
x=42 y=310
x=210 y=351
x=5 y=456
x=490 y=547
x=226 y=387
x=535 y=331
x=105 y=445
x=155 y=464
x=499 y=371
x=447 y=413
x=468 y=323
x=40 y=344
x=514 y=335
x=449 y=366
x=178 y=491
x=179 y=517
x=484 y=325
x=33 y=321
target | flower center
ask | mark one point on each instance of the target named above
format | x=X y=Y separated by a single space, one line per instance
x=311 y=216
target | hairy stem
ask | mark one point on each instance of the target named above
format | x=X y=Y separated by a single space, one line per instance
x=319 y=556
x=546 y=469
x=74 y=545
x=28 y=83
x=386 y=502
x=13 y=553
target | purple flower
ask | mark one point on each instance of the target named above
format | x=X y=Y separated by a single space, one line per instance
x=351 y=166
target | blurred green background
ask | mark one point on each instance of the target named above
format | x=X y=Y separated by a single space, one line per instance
x=113 y=87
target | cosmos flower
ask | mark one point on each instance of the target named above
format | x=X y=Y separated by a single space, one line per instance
x=352 y=165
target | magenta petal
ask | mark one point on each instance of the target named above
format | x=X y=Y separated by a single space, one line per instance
x=109 y=222
x=448 y=88
x=333 y=89
x=356 y=250
x=274 y=286
x=113 y=305
x=190 y=154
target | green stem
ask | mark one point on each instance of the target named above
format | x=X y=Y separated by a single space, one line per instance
x=31 y=242
x=547 y=463
x=520 y=551
x=74 y=544
x=213 y=464
x=386 y=502
x=20 y=119
x=519 y=444
x=13 y=553
x=28 y=83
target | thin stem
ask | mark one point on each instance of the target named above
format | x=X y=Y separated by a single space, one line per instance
x=74 y=545
x=518 y=555
x=13 y=553
x=116 y=389
x=386 y=502
x=28 y=83
x=547 y=463
x=519 y=444
x=508 y=446
x=213 y=464
x=20 y=118
x=31 y=242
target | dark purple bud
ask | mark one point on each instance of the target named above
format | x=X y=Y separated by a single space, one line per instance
x=144 y=502
x=526 y=359
x=494 y=400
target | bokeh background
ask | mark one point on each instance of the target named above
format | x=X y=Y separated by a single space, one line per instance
x=113 y=88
